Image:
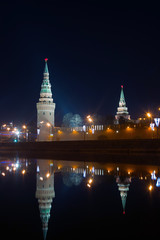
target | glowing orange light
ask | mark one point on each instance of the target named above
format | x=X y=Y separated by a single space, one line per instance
x=48 y=124
x=149 y=115
x=60 y=132
x=150 y=187
x=89 y=118
x=74 y=131
x=90 y=180
x=47 y=175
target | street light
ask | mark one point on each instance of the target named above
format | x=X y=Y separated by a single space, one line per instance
x=150 y=187
x=48 y=124
x=25 y=132
x=50 y=129
x=149 y=115
x=89 y=119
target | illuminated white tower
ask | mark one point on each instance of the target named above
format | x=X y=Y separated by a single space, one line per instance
x=123 y=187
x=45 y=109
x=122 y=110
x=45 y=191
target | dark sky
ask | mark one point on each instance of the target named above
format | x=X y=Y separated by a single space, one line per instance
x=92 y=49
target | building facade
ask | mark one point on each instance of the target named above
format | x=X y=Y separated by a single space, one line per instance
x=45 y=109
x=122 y=110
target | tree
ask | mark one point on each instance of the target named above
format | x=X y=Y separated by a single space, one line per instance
x=76 y=121
x=66 y=119
x=70 y=120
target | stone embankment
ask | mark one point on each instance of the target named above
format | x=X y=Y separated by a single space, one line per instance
x=134 y=150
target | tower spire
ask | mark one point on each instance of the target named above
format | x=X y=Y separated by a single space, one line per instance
x=46 y=66
x=122 y=102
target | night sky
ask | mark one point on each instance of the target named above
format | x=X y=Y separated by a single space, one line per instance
x=92 y=49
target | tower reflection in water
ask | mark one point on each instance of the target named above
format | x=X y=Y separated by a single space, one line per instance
x=80 y=174
x=45 y=191
x=123 y=186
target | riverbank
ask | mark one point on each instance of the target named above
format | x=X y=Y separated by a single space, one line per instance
x=134 y=150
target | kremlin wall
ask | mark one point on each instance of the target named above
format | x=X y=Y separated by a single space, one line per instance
x=47 y=131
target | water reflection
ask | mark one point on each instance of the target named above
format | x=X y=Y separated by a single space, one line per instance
x=75 y=174
x=45 y=191
x=123 y=186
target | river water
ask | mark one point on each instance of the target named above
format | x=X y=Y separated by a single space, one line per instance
x=49 y=199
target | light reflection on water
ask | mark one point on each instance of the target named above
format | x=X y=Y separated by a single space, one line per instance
x=84 y=176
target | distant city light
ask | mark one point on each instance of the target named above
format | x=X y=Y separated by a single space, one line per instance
x=89 y=118
x=90 y=181
x=150 y=188
x=158 y=182
x=23 y=171
x=157 y=121
x=47 y=175
x=153 y=175
x=48 y=124
x=84 y=173
x=84 y=128
x=149 y=115
x=152 y=126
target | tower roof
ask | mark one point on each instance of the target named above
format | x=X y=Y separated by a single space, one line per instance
x=46 y=93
